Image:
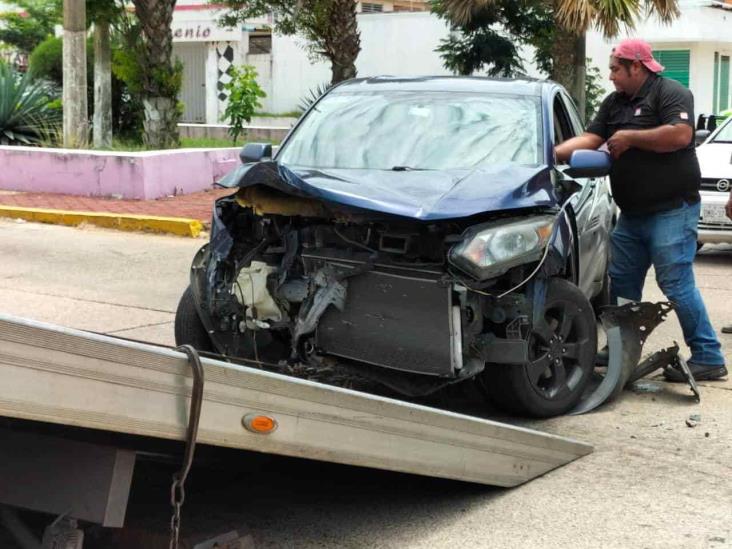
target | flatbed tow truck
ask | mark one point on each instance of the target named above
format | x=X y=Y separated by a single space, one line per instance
x=65 y=377
x=70 y=379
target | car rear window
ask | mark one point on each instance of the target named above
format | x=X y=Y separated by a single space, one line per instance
x=416 y=130
x=725 y=134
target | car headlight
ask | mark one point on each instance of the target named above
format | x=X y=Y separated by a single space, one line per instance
x=491 y=249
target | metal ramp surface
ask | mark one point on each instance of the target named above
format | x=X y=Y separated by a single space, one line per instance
x=65 y=376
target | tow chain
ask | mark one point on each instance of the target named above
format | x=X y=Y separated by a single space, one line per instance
x=177 y=489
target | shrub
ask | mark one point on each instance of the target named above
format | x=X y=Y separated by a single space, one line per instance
x=244 y=95
x=26 y=116
x=46 y=62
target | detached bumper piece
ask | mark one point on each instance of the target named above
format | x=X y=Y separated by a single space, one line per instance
x=663 y=359
x=627 y=328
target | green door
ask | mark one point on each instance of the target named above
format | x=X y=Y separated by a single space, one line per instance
x=723 y=83
x=676 y=64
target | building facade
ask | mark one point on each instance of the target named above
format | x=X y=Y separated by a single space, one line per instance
x=696 y=50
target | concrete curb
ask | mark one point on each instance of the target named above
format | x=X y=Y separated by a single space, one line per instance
x=124 y=222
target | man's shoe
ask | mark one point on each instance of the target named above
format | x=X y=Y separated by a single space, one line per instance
x=603 y=356
x=727 y=329
x=701 y=372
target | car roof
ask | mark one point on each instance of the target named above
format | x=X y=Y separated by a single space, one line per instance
x=475 y=84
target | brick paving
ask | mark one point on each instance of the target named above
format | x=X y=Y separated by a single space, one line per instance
x=191 y=206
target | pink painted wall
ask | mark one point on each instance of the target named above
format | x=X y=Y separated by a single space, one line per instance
x=140 y=175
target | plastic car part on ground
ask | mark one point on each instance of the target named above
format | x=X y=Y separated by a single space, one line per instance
x=627 y=328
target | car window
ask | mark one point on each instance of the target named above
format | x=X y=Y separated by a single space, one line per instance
x=574 y=116
x=563 y=128
x=725 y=134
x=433 y=130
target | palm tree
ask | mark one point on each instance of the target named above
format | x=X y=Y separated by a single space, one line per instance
x=572 y=20
x=160 y=77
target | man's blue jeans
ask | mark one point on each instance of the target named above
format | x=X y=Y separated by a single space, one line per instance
x=666 y=240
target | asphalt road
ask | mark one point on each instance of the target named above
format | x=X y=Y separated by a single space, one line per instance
x=651 y=482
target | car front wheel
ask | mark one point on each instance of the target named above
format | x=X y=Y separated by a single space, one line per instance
x=562 y=350
x=189 y=329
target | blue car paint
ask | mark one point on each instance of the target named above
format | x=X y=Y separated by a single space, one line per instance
x=431 y=195
x=425 y=195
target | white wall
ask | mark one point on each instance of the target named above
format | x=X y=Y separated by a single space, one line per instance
x=701 y=30
x=262 y=62
x=400 y=44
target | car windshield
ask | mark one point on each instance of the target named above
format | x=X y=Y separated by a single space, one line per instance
x=725 y=134
x=407 y=130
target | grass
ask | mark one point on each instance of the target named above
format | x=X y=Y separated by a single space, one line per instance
x=119 y=145
x=290 y=114
x=207 y=143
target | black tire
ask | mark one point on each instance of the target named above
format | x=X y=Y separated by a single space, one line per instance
x=189 y=329
x=562 y=351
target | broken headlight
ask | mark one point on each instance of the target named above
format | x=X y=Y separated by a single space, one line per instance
x=491 y=249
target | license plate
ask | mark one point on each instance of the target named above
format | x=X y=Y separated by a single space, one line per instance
x=714 y=213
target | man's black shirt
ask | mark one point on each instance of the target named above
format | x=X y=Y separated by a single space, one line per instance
x=644 y=181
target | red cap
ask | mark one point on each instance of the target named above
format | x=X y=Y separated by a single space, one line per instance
x=637 y=50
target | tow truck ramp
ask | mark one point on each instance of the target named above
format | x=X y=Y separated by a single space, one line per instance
x=62 y=376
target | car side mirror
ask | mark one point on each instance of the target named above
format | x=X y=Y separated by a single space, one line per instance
x=254 y=152
x=586 y=163
x=700 y=136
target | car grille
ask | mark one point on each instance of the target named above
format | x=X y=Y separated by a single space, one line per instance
x=710 y=184
x=715 y=226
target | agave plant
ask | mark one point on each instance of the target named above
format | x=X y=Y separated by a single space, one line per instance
x=27 y=115
x=312 y=96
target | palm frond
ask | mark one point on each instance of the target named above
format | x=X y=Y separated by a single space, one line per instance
x=576 y=15
x=461 y=12
x=665 y=10
x=610 y=16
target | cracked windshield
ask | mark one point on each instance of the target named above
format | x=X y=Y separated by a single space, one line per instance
x=416 y=130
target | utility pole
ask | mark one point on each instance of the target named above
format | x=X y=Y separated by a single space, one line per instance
x=74 y=71
x=102 y=86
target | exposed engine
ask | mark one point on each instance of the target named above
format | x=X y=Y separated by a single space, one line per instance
x=374 y=290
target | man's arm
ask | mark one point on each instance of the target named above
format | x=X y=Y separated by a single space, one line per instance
x=585 y=141
x=663 y=139
x=729 y=205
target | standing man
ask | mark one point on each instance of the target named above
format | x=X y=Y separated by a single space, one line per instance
x=647 y=126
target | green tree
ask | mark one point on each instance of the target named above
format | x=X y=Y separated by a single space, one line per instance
x=25 y=30
x=328 y=26
x=146 y=65
x=45 y=62
x=593 y=90
x=244 y=96
x=572 y=19
x=490 y=38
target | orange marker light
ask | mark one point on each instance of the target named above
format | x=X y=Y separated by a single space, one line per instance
x=259 y=424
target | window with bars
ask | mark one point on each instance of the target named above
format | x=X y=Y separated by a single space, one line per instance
x=260 y=43
x=367 y=7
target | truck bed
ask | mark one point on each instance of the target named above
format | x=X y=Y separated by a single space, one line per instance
x=64 y=376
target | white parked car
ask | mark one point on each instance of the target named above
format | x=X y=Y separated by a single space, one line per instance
x=715 y=159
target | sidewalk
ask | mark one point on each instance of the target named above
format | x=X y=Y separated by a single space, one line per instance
x=184 y=215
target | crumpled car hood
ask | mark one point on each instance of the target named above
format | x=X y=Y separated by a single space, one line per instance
x=419 y=194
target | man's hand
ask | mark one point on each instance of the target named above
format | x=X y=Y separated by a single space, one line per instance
x=584 y=141
x=728 y=207
x=619 y=143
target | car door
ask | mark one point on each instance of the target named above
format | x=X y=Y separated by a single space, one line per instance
x=592 y=204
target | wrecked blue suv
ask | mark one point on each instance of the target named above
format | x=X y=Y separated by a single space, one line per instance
x=415 y=233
